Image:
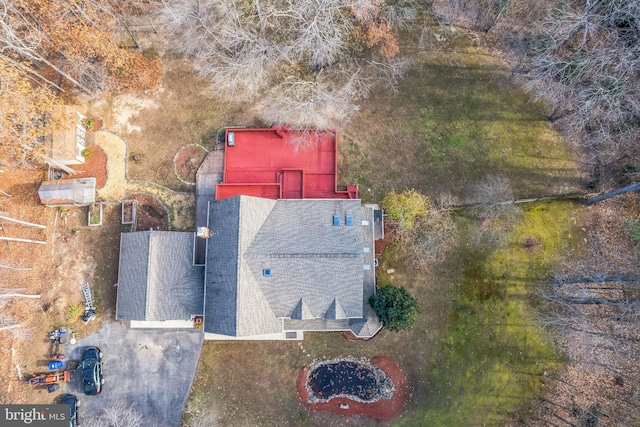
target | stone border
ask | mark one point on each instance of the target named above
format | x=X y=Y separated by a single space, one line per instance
x=381 y=378
x=175 y=166
x=383 y=409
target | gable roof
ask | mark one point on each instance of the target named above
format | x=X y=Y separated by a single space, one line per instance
x=65 y=141
x=157 y=279
x=315 y=268
x=234 y=303
x=78 y=191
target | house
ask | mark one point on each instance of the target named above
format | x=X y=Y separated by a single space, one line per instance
x=277 y=268
x=286 y=250
x=68 y=192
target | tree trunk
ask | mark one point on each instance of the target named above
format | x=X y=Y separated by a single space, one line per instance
x=28 y=224
x=14 y=239
x=634 y=186
x=592 y=301
x=15 y=268
x=597 y=279
x=20 y=296
x=572 y=196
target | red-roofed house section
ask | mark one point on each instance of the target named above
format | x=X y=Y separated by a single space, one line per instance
x=282 y=163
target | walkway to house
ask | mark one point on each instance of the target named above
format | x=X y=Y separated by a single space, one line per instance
x=209 y=174
x=118 y=185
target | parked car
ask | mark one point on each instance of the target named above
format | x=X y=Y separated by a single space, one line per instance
x=92 y=371
x=72 y=401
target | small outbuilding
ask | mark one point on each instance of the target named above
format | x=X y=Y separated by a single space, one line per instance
x=67 y=144
x=68 y=192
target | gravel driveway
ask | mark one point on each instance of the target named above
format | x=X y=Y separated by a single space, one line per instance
x=150 y=370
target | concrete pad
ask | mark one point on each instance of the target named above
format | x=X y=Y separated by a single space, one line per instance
x=150 y=370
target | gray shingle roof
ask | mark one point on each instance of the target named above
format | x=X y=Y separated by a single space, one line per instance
x=78 y=191
x=157 y=279
x=315 y=268
x=133 y=276
x=234 y=303
x=364 y=327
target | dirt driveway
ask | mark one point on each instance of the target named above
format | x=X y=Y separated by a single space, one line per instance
x=149 y=370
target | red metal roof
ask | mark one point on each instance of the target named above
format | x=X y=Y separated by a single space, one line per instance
x=282 y=163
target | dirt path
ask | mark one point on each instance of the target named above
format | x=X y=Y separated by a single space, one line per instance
x=180 y=205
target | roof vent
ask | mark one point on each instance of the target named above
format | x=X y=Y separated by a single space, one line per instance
x=266 y=272
x=231 y=139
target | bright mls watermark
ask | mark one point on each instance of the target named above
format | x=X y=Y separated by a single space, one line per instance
x=34 y=415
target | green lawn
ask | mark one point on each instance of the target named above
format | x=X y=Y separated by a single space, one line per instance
x=455 y=120
x=490 y=361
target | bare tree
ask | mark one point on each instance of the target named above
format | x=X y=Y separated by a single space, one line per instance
x=425 y=233
x=116 y=415
x=308 y=62
x=582 y=58
x=11 y=324
x=430 y=241
x=587 y=68
x=496 y=212
x=8 y=323
x=478 y=14
x=592 y=306
x=198 y=415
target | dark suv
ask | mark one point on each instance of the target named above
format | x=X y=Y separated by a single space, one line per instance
x=92 y=371
x=72 y=401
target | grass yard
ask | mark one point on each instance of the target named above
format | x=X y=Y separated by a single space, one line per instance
x=473 y=357
x=233 y=377
x=157 y=125
x=490 y=363
x=455 y=120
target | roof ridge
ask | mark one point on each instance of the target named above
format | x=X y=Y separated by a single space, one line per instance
x=303 y=255
x=302 y=311
x=335 y=311
x=238 y=265
x=146 y=288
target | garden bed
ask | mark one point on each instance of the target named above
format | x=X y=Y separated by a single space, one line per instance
x=151 y=214
x=94 y=217
x=95 y=165
x=128 y=212
x=348 y=378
